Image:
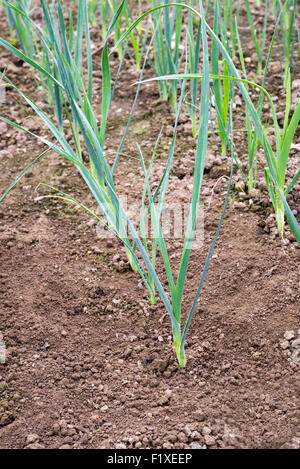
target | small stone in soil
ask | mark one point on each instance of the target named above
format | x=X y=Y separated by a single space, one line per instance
x=206 y=431
x=289 y=335
x=209 y=440
x=196 y=445
x=32 y=438
x=285 y=344
x=35 y=446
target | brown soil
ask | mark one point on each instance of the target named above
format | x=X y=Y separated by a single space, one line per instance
x=89 y=361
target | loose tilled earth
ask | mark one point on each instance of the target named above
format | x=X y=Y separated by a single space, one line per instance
x=89 y=361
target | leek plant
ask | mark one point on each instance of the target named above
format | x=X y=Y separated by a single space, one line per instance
x=286 y=11
x=92 y=8
x=176 y=287
x=101 y=13
x=167 y=43
x=223 y=90
x=99 y=175
x=193 y=67
x=152 y=253
x=280 y=158
x=252 y=136
x=135 y=37
x=156 y=205
x=106 y=10
x=227 y=22
x=19 y=26
x=259 y=38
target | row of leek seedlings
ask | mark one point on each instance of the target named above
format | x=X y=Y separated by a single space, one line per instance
x=99 y=178
x=280 y=157
x=93 y=6
x=258 y=37
x=22 y=32
x=229 y=13
x=167 y=48
x=19 y=27
x=135 y=36
x=100 y=181
x=283 y=143
x=101 y=13
x=174 y=307
x=176 y=286
x=74 y=99
x=155 y=211
x=223 y=90
x=276 y=160
x=275 y=172
x=193 y=67
x=138 y=37
x=38 y=51
x=252 y=136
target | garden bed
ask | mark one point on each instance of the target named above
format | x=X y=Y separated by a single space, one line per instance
x=89 y=361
